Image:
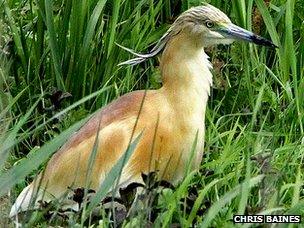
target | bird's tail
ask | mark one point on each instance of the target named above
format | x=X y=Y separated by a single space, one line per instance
x=23 y=201
x=29 y=199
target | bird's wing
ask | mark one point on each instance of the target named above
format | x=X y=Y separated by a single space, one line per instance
x=73 y=156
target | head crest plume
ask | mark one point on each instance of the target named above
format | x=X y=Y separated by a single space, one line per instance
x=143 y=57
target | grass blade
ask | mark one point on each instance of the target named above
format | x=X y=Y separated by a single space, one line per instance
x=53 y=43
x=217 y=206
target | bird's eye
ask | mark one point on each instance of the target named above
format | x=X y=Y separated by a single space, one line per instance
x=209 y=24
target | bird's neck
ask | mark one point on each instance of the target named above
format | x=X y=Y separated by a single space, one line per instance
x=186 y=74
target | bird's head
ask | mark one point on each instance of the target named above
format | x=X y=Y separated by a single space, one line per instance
x=212 y=27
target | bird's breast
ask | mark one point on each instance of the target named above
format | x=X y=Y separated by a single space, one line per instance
x=173 y=145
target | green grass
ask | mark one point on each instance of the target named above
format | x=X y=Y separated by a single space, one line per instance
x=254 y=142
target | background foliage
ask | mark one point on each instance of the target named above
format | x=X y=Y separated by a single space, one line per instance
x=58 y=63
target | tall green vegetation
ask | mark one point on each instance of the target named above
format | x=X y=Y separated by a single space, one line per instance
x=254 y=138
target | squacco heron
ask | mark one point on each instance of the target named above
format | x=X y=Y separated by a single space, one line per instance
x=170 y=118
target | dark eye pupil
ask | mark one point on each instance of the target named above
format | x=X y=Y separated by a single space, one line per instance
x=209 y=24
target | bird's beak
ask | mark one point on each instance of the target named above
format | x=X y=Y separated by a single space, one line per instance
x=236 y=32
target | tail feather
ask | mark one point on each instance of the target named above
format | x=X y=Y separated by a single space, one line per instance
x=29 y=199
x=23 y=201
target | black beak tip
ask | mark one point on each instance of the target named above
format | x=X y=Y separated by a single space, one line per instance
x=262 y=41
x=272 y=45
x=275 y=46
